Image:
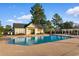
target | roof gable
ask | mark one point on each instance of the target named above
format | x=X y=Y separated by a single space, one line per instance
x=31 y=25
x=35 y=26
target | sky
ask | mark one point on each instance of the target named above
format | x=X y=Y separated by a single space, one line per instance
x=20 y=12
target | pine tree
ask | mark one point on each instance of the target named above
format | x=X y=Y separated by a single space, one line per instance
x=57 y=20
x=38 y=16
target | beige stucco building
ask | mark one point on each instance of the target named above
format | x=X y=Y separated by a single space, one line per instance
x=27 y=29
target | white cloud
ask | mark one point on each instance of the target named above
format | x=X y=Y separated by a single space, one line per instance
x=19 y=19
x=10 y=20
x=73 y=11
x=14 y=21
x=25 y=17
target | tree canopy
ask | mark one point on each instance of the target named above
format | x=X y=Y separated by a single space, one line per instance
x=1 y=29
x=59 y=24
x=7 y=28
x=38 y=16
x=57 y=20
x=67 y=25
x=49 y=27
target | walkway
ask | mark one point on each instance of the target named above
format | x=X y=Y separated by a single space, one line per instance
x=68 y=47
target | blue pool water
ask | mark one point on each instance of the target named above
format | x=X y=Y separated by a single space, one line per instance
x=26 y=41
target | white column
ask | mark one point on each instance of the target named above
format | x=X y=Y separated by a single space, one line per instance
x=11 y=33
x=2 y=33
x=68 y=31
x=26 y=31
x=35 y=31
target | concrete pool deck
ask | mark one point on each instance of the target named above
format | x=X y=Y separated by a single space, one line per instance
x=69 y=47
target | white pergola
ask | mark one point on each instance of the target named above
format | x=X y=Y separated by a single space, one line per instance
x=69 y=31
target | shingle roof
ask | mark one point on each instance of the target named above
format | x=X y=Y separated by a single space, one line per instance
x=19 y=25
x=28 y=24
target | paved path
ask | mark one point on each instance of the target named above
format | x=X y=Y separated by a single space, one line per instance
x=69 y=47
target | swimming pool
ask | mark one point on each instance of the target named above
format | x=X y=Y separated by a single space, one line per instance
x=26 y=41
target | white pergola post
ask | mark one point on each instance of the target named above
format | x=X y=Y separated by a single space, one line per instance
x=69 y=32
x=62 y=31
x=65 y=31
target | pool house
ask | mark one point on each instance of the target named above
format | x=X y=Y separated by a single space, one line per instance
x=27 y=29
